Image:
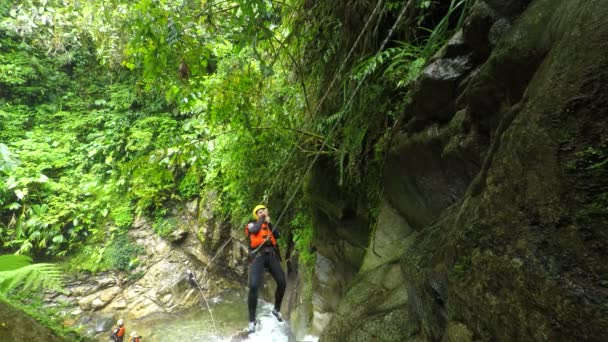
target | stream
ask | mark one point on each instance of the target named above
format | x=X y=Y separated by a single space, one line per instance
x=229 y=313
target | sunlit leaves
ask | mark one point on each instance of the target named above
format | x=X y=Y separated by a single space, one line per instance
x=7 y=160
x=191 y=97
x=52 y=24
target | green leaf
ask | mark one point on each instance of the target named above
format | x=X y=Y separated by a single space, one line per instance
x=21 y=193
x=12 y=262
x=11 y=183
x=13 y=206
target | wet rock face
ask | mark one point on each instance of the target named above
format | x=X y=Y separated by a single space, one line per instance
x=340 y=240
x=425 y=174
x=99 y=299
x=162 y=286
x=327 y=292
x=374 y=309
x=17 y=326
x=159 y=284
x=375 y=305
x=498 y=187
x=508 y=8
x=507 y=260
x=438 y=85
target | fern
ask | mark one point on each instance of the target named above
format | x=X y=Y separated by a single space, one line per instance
x=331 y=120
x=339 y=160
x=13 y=262
x=17 y=273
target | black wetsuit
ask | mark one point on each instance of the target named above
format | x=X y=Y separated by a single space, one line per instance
x=192 y=280
x=265 y=257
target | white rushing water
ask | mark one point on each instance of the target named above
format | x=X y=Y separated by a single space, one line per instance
x=230 y=316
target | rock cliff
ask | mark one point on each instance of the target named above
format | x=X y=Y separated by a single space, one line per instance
x=493 y=220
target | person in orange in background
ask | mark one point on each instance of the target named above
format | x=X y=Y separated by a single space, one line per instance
x=118 y=333
x=264 y=253
x=134 y=337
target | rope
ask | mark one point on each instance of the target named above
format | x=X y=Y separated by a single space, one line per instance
x=216 y=331
x=208 y=307
x=333 y=81
x=278 y=176
x=331 y=84
x=352 y=49
x=332 y=131
x=217 y=253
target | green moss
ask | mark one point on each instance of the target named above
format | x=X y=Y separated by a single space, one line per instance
x=461 y=267
x=189 y=186
x=50 y=318
x=133 y=277
x=88 y=258
x=164 y=226
x=457 y=332
x=122 y=254
x=303 y=237
x=119 y=254
x=202 y=222
x=122 y=213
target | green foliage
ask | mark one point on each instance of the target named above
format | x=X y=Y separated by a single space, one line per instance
x=404 y=64
x=15 y=69
x=20 y=285
x=13 y=262
x=88 y=258
x=591 y=165
x=189 y=186
x=122 y=213
x=164 y=226
x=200 y=103
x=151 y=183
x=55 y=223
x=7 y=160
x=116 y=253
x=34 y=306
x=592 y=158
x=303 y=236
x=118 y=108
x=122 y=254
x=354 y=124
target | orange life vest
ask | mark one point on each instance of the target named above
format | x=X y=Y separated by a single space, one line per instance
x=135 y=339
x=121 y=331
x=256 y=239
